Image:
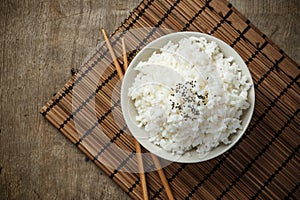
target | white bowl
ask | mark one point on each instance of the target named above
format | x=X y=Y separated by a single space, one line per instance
x=129 y=110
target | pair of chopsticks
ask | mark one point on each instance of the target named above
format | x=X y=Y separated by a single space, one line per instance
x=137 y=144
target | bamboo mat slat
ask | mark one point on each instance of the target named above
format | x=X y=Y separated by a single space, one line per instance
x=263 y=164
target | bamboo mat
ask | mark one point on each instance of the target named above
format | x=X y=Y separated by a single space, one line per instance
x=264 y=164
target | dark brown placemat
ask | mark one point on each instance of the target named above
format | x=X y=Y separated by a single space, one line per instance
x=264 y=163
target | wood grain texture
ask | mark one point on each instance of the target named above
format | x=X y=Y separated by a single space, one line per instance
x=40 y=42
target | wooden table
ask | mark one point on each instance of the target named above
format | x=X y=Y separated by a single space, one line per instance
x=41 y=41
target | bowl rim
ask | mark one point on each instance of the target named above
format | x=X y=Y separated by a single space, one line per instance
x=182 y=158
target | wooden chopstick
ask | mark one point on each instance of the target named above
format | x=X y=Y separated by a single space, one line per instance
x=137 y=144
x=112 y=53
x=141 y=168
x=125 y=59
x=162 y=177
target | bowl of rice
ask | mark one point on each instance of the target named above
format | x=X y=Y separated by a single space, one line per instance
x=187 y=97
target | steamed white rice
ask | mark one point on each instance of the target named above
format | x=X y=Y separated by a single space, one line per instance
x=189 y=95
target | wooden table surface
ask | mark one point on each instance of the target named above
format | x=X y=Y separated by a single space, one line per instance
x=41 y=41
